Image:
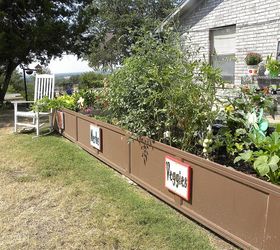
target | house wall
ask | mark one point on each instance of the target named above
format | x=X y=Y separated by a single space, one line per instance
x=257 y=26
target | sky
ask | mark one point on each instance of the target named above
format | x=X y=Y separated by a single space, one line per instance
x=67 y=64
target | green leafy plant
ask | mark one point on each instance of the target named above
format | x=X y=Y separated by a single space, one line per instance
x=253 y=58
x=273 y=66
x=264 y=158
x=42 y=105
x=242 y=135
x=238 y=118
x=64 y=101
x=83 y=101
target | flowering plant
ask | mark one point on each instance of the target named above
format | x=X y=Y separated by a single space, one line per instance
x=81 y=102
x=253 y=58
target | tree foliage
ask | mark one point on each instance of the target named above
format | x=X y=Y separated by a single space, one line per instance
x=38 y=30
x=117 y=24
x=87 y=80
x=91 y=80
x=16 y=83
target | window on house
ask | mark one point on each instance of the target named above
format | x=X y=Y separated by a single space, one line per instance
x=222 y=51
x=278 y=51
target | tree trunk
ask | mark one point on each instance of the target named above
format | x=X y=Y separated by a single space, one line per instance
x=10 y=67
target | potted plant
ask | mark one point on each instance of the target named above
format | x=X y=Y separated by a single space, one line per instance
x=272 y=66
x=252 y=60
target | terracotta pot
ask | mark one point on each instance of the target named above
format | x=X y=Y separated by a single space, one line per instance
x=253 y=70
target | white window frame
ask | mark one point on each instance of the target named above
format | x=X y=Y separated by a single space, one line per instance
x=278 y=51
x=211 y=44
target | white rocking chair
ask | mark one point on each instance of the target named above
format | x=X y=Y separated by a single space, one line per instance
x=44 y=86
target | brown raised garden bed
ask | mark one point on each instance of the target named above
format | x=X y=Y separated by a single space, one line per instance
x=239 y=207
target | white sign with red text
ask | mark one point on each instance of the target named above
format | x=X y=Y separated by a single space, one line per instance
x=178 y=177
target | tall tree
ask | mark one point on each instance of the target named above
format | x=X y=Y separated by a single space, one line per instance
x=117 y=26
x=38 y=30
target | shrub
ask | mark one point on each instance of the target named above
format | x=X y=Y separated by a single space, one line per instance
x=253 y=58
x=91 y=80
x=163 y=93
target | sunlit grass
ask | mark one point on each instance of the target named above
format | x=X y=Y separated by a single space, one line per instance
x=96 y=207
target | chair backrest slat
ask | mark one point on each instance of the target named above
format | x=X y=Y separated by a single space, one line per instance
x=44 y=86
x=47 y=87
x=40 y=88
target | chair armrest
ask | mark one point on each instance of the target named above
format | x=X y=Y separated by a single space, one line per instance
x=19 y=102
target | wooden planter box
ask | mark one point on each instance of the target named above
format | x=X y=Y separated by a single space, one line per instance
x=238 y=207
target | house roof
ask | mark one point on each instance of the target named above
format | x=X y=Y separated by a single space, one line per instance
x=184 y=6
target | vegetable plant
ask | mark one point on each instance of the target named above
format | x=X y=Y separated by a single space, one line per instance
x=237 y=119
x=264 y=158
x=163 y=93
x=79 y=101
x=273 y=66
x=45 y=104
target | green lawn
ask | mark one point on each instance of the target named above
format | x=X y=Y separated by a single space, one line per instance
x=55 y=195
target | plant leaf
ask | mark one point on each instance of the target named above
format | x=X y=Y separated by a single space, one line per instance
x=273 y=163
x=246 y=156
x=261 y=165
x=240 y=131
x=263 y=125
x=278 y=128
x=237 y=159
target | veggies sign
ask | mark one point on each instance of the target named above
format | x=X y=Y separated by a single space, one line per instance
x=178 y=177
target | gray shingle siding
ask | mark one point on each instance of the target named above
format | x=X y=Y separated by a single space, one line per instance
x=257 y=26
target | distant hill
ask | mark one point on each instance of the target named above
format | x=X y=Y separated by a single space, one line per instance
x=58 y=76
x=61 y=76
x=67 y=75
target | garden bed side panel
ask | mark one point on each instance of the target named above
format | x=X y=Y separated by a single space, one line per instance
x=272 y=233
x=115 y=147
x=239 y=207
x=70 y=126
x=222 y=199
